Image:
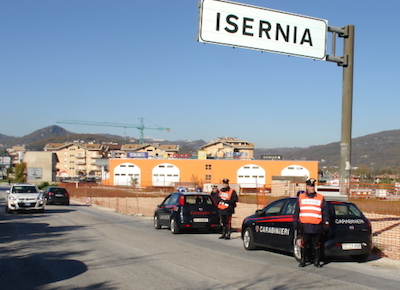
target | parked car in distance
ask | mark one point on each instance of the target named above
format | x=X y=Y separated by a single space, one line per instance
x=350 y=231
x=183 y=211
x=23 y=197
x=56 y=195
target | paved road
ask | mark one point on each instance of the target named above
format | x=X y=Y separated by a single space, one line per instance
x=82 y=247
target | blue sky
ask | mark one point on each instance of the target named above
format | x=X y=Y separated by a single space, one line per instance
x=121 y=60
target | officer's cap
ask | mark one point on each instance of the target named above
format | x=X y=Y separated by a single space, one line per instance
x=225 y=180
x=311 y=182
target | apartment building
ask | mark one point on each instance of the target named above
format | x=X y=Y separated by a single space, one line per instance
x=16 y=154
x=80 y=159
x=229 y=147
x=150 y=150
x=77 y=159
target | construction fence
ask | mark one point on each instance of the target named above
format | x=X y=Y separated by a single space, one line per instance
x=379 y=202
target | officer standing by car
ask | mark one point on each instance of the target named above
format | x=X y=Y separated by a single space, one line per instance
x=227 y=199
x=311 y=217
x=214 y=193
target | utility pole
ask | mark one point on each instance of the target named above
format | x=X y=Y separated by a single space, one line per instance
x=347 y=61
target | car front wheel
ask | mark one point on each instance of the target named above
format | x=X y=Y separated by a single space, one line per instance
x=174 y=226
x=297 y=248
x=248 y=239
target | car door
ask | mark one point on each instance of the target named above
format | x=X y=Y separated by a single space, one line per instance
x=284 y=231
x=163 y=211
x=265 y=231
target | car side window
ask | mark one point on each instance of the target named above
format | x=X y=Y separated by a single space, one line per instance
x=274 y=208
x=354 y=211
x=174 y=199
x=289 y=208
x=166 y=200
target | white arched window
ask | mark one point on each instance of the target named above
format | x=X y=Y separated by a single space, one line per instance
x=295 y=170
x=165 y=175
x=251 y=176
x=127 y=174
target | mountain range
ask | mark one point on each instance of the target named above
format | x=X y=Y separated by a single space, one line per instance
x=376 y=151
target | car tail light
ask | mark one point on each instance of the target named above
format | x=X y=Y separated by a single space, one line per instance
x=66 y=193
x=182 y=200
x=51 y=193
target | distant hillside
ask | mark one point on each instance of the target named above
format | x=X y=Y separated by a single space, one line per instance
x=55 y=134
x=3 y=138
x=375 y=150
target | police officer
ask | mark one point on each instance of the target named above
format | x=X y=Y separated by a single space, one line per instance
x=227 y=199
x=214 y=193
x=311 y=217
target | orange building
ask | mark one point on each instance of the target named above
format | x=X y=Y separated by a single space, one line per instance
x=169 y=172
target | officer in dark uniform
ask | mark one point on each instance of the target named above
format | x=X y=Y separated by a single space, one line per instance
x=227 y=199
x=214 y=193
x=311 y=217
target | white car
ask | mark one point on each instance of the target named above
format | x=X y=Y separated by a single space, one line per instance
x=24 y=196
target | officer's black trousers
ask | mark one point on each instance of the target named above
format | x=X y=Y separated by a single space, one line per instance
x=226 y=221
x=314 y=239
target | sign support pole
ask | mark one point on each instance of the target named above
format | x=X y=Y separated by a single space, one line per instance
x=347 y=61
x=347 y=107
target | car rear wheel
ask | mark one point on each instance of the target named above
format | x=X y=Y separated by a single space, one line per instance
x=359 y=258
x=248 y=239
x=157 y=225
x=297 y=248
x=174 y=226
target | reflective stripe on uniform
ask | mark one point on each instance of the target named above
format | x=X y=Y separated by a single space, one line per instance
x=310 y=209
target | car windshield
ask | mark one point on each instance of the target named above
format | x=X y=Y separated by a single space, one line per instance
x=197 y=199
x=347 y=210
x=24 y=189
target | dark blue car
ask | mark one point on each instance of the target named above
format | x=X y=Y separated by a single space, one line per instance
x=56 y=195
x=350 y=231
x=183 y=211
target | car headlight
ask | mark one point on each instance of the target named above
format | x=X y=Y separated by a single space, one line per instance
x=12 y=197
x=40 y=197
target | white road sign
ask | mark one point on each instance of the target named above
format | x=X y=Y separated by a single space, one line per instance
x=236 y=24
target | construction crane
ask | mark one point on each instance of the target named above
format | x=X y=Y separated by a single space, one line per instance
x=141 y=127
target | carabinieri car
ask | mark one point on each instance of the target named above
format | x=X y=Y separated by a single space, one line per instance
x=182 y=211
x=350 y=231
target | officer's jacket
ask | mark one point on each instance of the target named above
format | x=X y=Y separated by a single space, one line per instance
x=310 y=209
x=227 y=199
